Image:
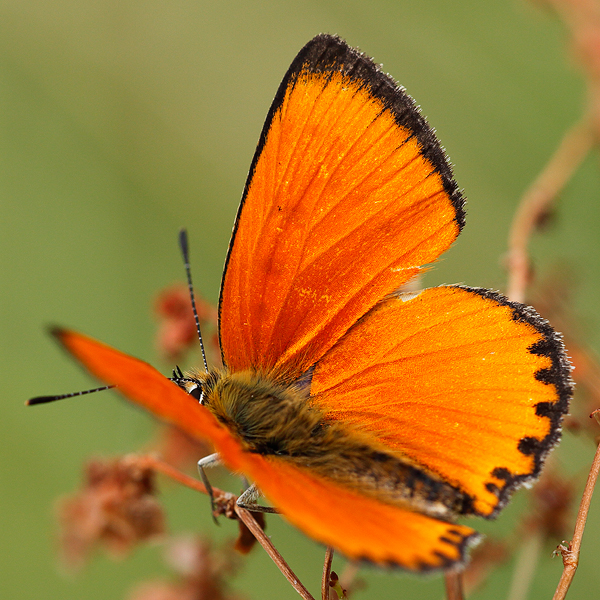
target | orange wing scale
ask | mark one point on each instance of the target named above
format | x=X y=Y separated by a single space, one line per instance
x=370 y=531
x=451 y=379
x=341 y=208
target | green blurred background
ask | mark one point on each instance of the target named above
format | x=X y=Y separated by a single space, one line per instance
x=122 y=121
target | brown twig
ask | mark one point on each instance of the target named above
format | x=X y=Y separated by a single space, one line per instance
x=326 y=573
x=570 y=553
x=161 y=466
x=250 y=522
x=244 y=516
x=537 y=202
x=454 y=585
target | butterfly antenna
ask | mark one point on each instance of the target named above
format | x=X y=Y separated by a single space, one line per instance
x=46 y=399
x=179 y=377
x=183 y=244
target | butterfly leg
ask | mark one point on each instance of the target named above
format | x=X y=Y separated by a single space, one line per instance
x=249 y=501
x=212 y=460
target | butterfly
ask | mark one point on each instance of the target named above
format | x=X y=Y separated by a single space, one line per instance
x=371 y=417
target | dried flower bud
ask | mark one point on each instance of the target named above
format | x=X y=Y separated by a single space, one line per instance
x=115 y=510
x=177 y=331
x=202 y=573
x=552 y=500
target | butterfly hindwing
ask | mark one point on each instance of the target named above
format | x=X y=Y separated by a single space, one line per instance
x=465 y=383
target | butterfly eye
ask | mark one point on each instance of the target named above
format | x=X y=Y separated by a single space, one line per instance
x=195 y=391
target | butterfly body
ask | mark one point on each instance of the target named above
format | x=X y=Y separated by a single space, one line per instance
x=273 y=416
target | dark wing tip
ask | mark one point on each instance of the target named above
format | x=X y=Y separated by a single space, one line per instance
x=57 y=331
x=443 y=562
x=326 y=52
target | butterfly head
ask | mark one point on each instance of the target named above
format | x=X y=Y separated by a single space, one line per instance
x=193 y=382
x=267 y=413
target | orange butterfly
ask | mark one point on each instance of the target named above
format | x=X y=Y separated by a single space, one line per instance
x=369 y=417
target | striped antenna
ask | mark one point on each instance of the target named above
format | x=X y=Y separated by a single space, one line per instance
x=183 y=244
x=46 y=399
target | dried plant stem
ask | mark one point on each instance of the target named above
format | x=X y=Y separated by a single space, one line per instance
x=244 y=515
x=160 y=466
x=538 y=199
x=326 y=573
x=454 y=585
x=526 y=566
x=250 y=522
x=570 y=554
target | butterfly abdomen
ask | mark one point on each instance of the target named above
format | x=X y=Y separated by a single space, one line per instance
x=275 y=418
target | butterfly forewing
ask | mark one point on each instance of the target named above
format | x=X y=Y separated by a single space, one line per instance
x=348 y=196
x=369 y=531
